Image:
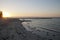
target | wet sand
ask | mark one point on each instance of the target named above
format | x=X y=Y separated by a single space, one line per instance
x=14 y=30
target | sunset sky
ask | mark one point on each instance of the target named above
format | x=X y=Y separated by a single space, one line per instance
x=31 y=8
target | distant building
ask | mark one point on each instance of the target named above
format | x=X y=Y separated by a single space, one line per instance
x=0 y=14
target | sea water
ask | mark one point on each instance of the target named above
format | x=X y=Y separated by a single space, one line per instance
x=53 y=24
x=47 y=28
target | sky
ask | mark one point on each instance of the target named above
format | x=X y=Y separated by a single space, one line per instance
x=31 y=8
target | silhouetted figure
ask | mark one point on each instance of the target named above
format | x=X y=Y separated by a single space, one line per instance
x=0 y=17
x=0 y=14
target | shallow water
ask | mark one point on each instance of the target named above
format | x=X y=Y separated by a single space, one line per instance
x=44 y=27
x=53 y=24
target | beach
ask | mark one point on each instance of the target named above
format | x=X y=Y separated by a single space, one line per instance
x=14 y=29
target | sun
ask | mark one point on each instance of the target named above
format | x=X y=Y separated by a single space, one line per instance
x=6 y=14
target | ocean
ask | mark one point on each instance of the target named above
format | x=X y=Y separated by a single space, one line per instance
x=53 y=24
x=48 y=28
